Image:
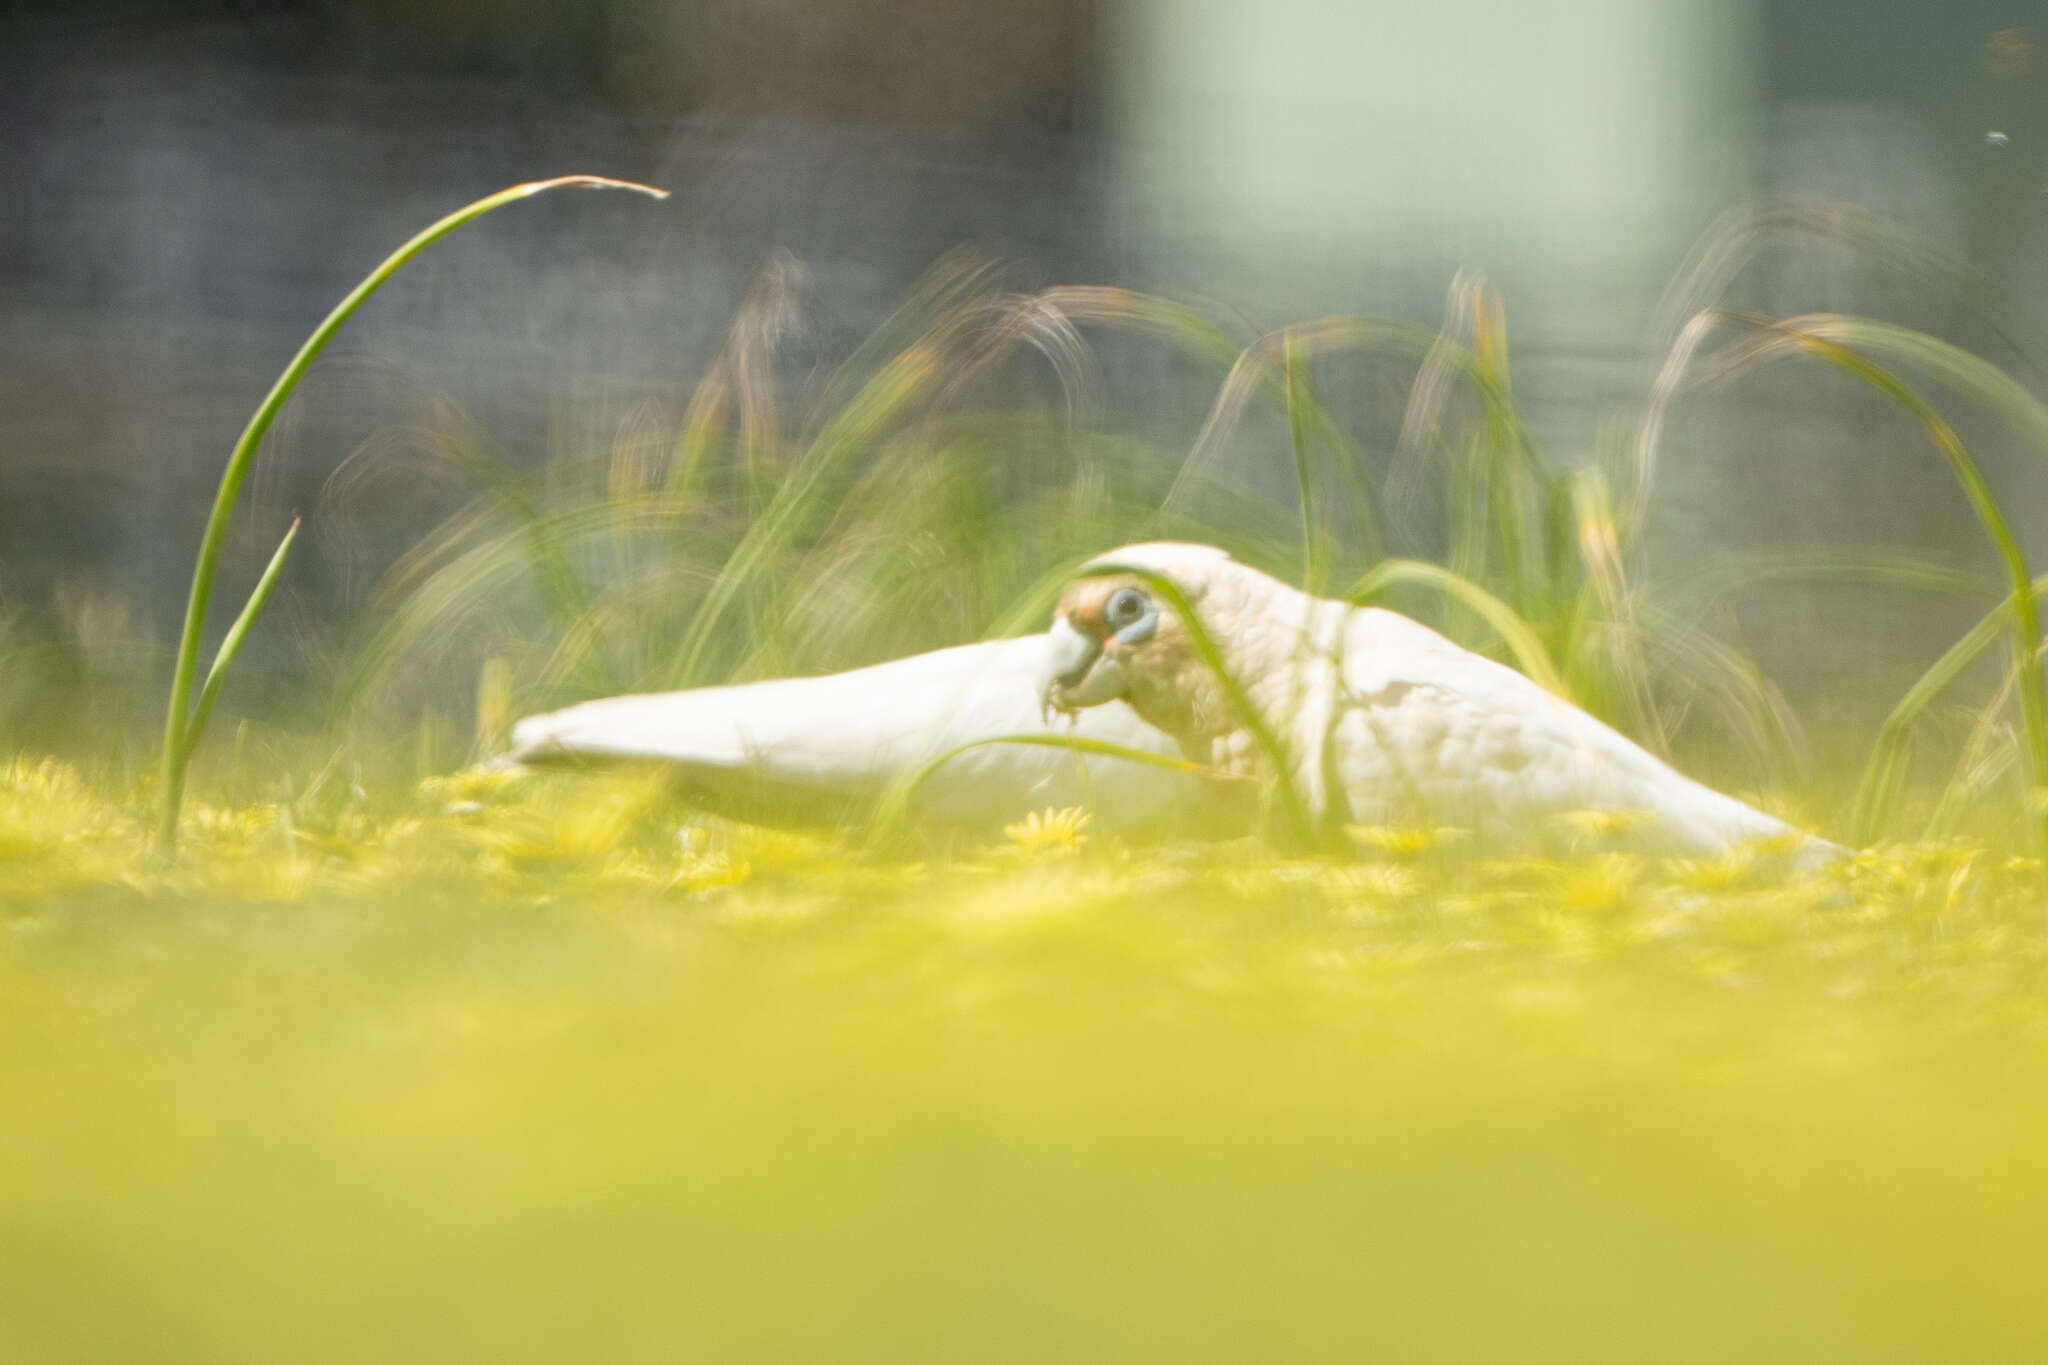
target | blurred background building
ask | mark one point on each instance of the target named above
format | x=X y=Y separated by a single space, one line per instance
x=190 y=186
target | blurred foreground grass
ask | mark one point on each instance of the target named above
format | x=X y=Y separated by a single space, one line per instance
x=511 y=1071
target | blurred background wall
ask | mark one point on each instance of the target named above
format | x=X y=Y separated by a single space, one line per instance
x=190 y=186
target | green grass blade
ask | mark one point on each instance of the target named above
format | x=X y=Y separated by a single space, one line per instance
x=511 y=495
x=2026 y=628
x=1178 y=325
x=1508 y=459
x=1522 y=641
x=1852 y=567
x=1728 y=247
x=477 y=560
x=879 y=401
x=1877 y=793
x=1314 y=556
x=2009 y=398
x=1986 y=756
x=231 y=643
x=1253 y=372
x=1832 y=339
x=177 y=719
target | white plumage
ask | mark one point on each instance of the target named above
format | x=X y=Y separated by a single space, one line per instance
x=818 y=749
x=1379 y=719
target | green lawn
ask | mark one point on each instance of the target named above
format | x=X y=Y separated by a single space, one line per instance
x=538 y=1080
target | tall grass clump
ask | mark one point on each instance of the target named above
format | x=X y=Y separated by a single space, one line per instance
x=946 y=480
x=1882 y=356
x=1845 y=344
x=185 y=722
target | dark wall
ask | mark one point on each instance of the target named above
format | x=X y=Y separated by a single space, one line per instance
x=192 y=187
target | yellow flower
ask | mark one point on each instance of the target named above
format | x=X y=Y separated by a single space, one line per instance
x=1049 y=829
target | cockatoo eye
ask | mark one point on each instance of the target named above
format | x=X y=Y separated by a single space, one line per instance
x=1125 y=608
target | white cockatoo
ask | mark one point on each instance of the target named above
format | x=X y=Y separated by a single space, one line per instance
x=821 y=749
x=1378 y=720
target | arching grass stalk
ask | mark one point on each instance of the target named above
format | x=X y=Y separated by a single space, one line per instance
x=1735 y=242
x=183 y=724
x=1261 y=368
x=1521 y=640
x=1506 y=458
x=231 y=643
x=1885 y=773
x=879 y=402
x=1987 y=755
x=1294 y=368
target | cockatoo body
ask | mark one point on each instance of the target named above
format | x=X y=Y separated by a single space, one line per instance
x=822 y=749
x=1378 y=719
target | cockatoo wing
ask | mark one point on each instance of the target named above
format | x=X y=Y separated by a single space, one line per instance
x=798 y=750
x=1427 y=731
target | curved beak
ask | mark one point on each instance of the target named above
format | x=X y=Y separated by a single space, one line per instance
x=1078 y=673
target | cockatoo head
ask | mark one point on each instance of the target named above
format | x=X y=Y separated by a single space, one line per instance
x=1113 y=637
